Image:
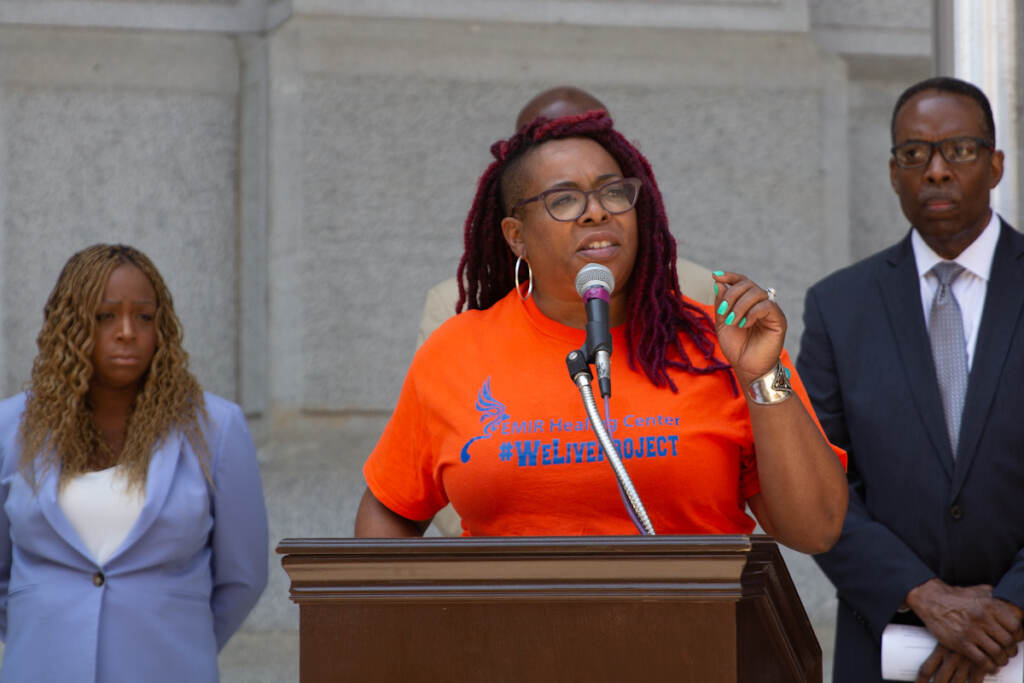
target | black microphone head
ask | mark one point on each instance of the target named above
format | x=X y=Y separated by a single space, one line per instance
x=594 y=275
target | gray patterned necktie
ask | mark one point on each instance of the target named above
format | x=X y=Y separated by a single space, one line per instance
x=949 y=347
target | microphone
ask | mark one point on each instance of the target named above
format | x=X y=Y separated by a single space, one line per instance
x=595 y=284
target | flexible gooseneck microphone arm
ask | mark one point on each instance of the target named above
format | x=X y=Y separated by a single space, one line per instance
x=579 y=371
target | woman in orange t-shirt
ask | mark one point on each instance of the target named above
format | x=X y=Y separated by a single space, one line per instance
x=703 y=416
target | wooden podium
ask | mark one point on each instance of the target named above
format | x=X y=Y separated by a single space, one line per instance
x=700 y=609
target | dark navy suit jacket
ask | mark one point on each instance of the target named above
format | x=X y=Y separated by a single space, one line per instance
x=915 y=511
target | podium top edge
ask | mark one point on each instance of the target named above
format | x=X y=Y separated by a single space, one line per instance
x=521 y=545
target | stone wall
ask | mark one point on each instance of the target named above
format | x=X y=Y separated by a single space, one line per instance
x=384 y=130
x=120 y=136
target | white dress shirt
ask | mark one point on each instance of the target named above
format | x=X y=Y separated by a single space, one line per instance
x=969 y=288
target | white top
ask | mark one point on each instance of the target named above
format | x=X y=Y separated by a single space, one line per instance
x=102 y=509
x=972 y=284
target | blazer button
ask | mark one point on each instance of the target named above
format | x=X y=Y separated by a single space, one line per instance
x=98 y=579
x=956 y=511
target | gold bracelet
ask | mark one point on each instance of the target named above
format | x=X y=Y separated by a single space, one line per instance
x=772 y=387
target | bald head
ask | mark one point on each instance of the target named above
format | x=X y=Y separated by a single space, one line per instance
x=557 y=102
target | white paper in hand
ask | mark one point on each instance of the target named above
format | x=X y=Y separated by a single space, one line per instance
x=904 y=649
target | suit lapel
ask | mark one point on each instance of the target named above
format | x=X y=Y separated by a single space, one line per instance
x=158 y=483
x=901 y=294
x=999 y=321
x=159 y=478
x=50 y=507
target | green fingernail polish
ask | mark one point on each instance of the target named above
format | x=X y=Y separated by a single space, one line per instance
x=723 y=307
x=716 y=290
x=728 y=321
x=743 y=321
x=719 y=273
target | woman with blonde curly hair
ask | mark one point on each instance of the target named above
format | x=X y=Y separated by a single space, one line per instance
x=133 y=531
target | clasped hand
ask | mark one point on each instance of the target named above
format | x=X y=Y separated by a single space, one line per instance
x=977 y=633
x=751 y=329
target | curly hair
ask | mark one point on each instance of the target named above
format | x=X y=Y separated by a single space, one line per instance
x=57 y=427
x=656 y=313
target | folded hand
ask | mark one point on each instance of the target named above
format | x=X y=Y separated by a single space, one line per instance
x=968 y=621
x=945 y=666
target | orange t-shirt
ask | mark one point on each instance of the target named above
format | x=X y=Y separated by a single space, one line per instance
x=489 y=419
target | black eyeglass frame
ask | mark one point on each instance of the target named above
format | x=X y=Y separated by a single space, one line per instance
x=981 y=142
x=586 y=198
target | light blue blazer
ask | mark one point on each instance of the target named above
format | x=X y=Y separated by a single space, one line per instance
x=167 y=600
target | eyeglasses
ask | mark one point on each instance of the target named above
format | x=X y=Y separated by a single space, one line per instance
x=568 y=203
x=918 y=153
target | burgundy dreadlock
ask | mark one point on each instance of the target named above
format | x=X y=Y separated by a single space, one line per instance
x=655 y=312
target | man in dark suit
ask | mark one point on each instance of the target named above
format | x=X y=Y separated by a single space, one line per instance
x=916 y=367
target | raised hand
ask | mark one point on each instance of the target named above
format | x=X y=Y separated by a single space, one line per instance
x=751 y=328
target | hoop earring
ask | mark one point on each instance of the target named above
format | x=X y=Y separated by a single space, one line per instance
x=529 y=285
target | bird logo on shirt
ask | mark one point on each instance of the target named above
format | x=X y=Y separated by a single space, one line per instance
x=492 y=414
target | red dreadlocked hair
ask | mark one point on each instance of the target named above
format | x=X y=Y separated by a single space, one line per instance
x=656 y=314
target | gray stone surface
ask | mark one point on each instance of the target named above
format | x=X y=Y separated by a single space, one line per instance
x=253 y=224
x=379 y=229
x=774 y=203
x=875 y=224
x=153 y=2
x=229 y=16
x=388 y=168
x=113 y=60
x=261 y=657
x=151 y=166
x=152 y=170
x=873 y=27
x=764 y=15
x=818 y=597
x=312 y=479
x=873 y=13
